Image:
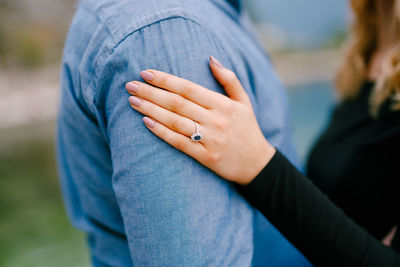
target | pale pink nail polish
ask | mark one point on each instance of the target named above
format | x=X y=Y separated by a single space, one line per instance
x=132 y=87
x=147 y=75
x=216 y=62
x=135 y=101
x=149 y=122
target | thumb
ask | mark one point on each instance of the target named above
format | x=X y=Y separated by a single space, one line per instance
x=228 y=80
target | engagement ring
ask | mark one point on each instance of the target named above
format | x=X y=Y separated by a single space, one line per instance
x=196 y=137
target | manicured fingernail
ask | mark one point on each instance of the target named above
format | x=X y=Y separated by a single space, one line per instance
x=132 y=87
x=216 y=62
x=149 y=122
x=135 y=101
x=147 y=75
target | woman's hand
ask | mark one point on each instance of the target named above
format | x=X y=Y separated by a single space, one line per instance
x=232 y=143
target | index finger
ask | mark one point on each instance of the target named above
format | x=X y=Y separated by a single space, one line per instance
x=187 y=89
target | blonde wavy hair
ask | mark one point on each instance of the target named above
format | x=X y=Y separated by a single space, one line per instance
x=361 y=44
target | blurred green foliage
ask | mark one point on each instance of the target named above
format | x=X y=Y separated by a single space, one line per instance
x=29 y=41
x=2 y=42
x=28 y=49
x=34 y=229
x=29 y=46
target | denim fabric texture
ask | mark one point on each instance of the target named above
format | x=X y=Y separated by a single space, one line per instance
x=140 y=201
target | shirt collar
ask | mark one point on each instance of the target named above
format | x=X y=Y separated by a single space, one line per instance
x=235 y=4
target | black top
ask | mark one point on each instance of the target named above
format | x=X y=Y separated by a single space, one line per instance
x=354 y=164
x=308 y=219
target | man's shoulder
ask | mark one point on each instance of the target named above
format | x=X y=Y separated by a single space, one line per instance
x=124 y=17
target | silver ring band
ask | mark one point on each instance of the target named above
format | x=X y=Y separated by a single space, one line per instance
x=196 y=136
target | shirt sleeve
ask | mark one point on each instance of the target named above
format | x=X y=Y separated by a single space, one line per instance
x=175 y=211
x=319 y=229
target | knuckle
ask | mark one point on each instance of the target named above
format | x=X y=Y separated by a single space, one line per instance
x=214 y=157
x=231 y=75
x=227 y=106
x=176 y=104
x=162 y=81
x=221 y=142
x=176 y=124
x=247 y=100
x=180 y=144
x=221 y=124
x=187 y=88
x=145 y=91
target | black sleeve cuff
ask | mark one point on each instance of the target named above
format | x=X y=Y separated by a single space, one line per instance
x=255 y=191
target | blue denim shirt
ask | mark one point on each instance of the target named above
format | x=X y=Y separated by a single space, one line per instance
x=140 y=201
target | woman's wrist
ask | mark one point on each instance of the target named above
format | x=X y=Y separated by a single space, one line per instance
x=262 y=158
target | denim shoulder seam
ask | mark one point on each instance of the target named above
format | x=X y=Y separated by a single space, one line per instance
x=146 y=21
x=111 y=51
x=104 y=56
x=113 y=25
x=153 y=23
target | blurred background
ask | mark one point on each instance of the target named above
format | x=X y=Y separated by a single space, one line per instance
x=303 y=37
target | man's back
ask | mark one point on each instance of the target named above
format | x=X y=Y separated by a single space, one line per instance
x=141 y=201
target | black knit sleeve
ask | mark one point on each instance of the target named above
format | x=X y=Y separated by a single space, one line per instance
x=308 y=219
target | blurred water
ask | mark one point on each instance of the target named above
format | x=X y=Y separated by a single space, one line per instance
x=305 y=22
x=310 y=107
